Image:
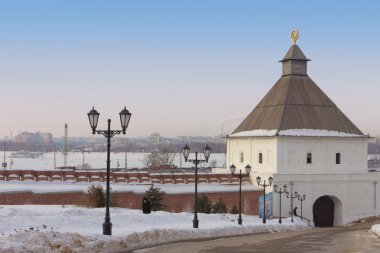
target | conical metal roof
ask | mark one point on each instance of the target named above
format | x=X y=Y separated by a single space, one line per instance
x=294 y=53
x=296 y=104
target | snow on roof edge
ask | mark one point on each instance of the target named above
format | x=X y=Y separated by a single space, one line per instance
x=294 y=132
x=253 y=133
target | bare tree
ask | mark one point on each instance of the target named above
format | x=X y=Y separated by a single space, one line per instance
x=163 y=156
x=213 y=163
x=85 y=166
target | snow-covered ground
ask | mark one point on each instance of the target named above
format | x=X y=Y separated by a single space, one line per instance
x=376 y=229
x=37 y=229
x=59 y=186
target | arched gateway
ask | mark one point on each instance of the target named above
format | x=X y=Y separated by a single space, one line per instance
x=323 y=212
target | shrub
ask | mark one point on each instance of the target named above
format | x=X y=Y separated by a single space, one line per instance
x=114 y=199
x=156 y=198
x=234 y=210
x=203 y=204
x=97 y=196
x=219 y=207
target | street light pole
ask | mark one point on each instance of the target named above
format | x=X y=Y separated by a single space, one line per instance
x=107 y=225
x=126 y=148
x=4 y=163
x=93 y=117
x=240 y=220
x=207 y=152
x=247 y=171
x=301 y=199
x=195 y=220
x=258 y=180
x=83 y=158
x=280 y=192
x=291 y=196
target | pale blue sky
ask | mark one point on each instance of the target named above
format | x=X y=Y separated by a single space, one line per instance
x=180 y=67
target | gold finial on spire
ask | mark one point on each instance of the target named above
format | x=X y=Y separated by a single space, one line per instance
x=294 y=35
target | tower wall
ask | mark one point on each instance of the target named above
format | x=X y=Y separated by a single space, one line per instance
x=354 y=195
x=251 y=147
x=292 y=155
x=294 y=67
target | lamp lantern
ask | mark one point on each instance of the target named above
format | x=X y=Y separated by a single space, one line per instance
x=93 y=117
x=125 y=116
x=270 y=179
x=186 y=152
x=232 y=169
x=207 y=152
x=258 y=180
x=248 y=169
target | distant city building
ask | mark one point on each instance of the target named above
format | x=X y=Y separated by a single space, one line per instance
x=154 y=138
x=40 y=138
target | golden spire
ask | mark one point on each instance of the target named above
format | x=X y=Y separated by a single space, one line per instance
x=294 y=35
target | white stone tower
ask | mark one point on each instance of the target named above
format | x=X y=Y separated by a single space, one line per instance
x=300 y=137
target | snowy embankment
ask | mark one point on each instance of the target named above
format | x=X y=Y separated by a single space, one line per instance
x=78 y=229
x=59 y=187
x=376 y=229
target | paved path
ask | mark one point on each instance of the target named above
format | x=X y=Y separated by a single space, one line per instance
x=355 y=238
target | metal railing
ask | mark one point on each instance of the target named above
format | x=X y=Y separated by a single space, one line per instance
x=301 y=218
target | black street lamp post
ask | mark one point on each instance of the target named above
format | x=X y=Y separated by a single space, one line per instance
x=301 y=199
x=280 y=191
x=93 y=117
x=240 y=176
x=206 y=152
x=258 y=180
x=4 y=165
x=291 y=196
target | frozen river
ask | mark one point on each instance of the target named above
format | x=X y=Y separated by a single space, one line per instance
x=96 y=160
